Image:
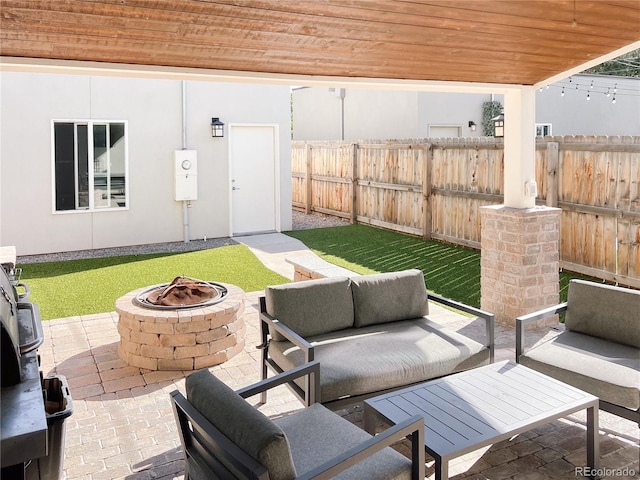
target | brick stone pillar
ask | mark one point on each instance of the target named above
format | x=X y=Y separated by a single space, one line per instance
x=519 y=260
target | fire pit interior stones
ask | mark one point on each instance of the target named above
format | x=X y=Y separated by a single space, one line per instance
x=182 y=292
x=187 y=324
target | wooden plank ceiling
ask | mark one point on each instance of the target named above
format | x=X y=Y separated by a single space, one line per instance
x=488 y=41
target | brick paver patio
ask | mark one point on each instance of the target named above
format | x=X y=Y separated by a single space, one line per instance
x=122 y=424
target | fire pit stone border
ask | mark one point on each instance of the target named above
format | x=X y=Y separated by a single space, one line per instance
x=181 y=339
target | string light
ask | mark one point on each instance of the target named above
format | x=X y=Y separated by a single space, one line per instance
x=596 y=85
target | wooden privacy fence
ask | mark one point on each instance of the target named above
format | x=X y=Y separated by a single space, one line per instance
x=435 y=188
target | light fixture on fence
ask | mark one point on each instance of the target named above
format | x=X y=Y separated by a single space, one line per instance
x=217 y=128
x=472 y=125
x=498 y=125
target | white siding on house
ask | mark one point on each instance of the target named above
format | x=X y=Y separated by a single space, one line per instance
x=153 y=112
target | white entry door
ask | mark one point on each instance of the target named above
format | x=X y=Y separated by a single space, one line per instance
x=253 y=168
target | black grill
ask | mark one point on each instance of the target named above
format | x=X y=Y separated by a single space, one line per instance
x=24 y=429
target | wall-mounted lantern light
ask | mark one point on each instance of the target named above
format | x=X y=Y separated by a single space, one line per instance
x=217 y=128
x=472 y=125
x=498 y=126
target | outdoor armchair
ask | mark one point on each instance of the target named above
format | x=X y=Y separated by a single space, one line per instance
x=598 y=350
x=225 y=437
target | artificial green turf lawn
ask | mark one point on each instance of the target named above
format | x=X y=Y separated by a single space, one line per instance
x=81 y=287
x=450 y=271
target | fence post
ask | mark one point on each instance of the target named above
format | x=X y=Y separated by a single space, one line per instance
x=553 y=164
x=426 y=192
x=307 y=179
x=354 y=184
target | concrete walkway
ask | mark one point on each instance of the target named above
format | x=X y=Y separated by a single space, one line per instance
x=272 y=249
x=122 y=426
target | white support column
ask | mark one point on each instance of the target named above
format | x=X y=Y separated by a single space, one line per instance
x=519 y=147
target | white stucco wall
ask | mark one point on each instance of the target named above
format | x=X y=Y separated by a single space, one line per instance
x=385 y=114
x=375 y=114
x=573 y=114
x=368 y=114
x=153 y=112
x=382 y=114
x=455 y=109
x=316 y=114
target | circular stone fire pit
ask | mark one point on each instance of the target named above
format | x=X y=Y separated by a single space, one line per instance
x=176 y=335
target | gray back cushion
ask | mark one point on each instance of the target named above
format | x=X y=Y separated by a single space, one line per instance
x=311 y=307
x=388 y=297
x=604 y=311
x=241 y=423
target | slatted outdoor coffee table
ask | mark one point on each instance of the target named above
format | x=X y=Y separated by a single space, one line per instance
x=469 y=410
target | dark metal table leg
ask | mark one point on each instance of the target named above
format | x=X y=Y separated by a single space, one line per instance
x=369 y=420
x=442 y=469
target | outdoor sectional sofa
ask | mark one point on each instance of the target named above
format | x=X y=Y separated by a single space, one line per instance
x=599 y=349
x=370 y=333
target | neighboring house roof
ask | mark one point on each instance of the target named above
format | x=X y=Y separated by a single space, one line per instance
x=482 y=41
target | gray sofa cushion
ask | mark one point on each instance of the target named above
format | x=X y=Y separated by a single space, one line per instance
x=245 y=426
x=605 y=369
x=311 y=307
x=604 y=311
x=318 y=435
x=388 y=297
x=368 y=359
